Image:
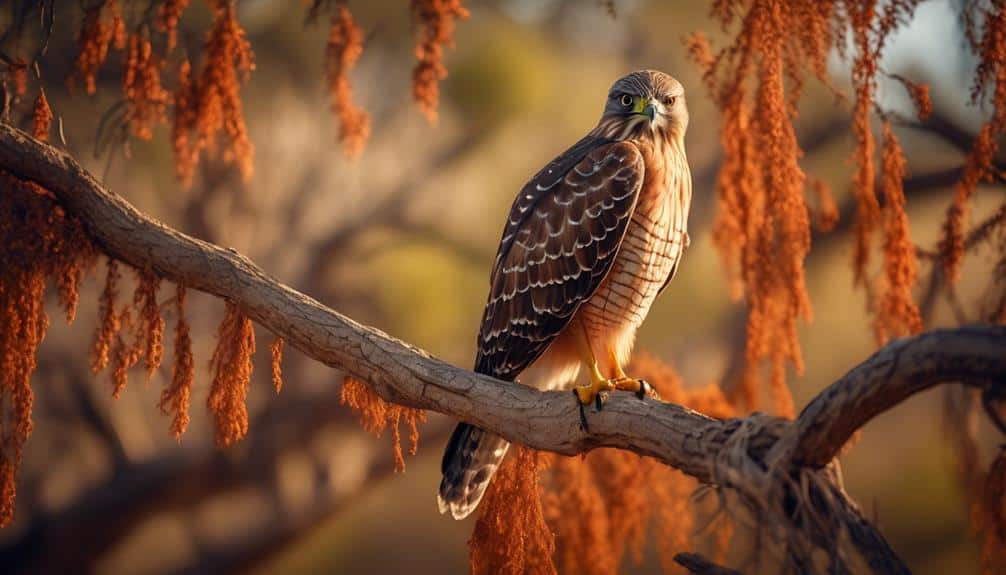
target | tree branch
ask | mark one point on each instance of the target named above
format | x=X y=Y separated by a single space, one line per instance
x=397 y=371
x=971 y=354
x=732 y=453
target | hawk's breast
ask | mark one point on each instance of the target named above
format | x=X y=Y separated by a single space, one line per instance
x=653 y=244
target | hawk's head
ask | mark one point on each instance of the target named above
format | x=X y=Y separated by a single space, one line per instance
x=644 y=102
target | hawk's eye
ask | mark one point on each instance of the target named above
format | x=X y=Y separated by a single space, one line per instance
x=669 y=101
x=626 y=100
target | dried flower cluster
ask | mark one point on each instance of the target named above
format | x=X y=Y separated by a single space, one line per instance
x=176 y=396
x=896 y=314
x=151 y=324
x=146 y=100
x=552 y=514
x=206 y=105
x=436 y=19
x=108 y=319
x=276 y=363
x=103 y=27
x=232 y=370
x=345 y=45
x=377 y=415
x=776 y=44
x=763 y=227
x=210 y=103
x=511 y=536
x=113 y=345
x=40 y=242
x=168 y=15
x=991 y=75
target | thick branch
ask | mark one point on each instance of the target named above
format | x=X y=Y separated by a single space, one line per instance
x=409 y=376
x=397 y=371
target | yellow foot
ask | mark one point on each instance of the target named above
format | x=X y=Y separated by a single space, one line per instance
x=591 y=393
x=637 y=386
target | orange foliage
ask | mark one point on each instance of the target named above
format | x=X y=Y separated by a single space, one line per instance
x=919 y=94
x=436 y=22
x=110 y=346
x=103 y=25
x=864 y=77
x=599 y=506
x=762 y=228
x=141 y=83
x=125 y=354
x=151 y=324
x=577 y=507
x=168 y=15
x=38 y=240
x=175 y=397
x=210 y=103
x=345 y=45
x=108 y=321
x=276 y=353
x=826 y=216
x=232 y=370
x=896 y=313
x=991 y=50
x=511 y=536
x=871 y=30
x=376 y=415
x=41 y=117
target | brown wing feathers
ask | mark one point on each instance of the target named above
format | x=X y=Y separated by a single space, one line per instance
x=561 y=238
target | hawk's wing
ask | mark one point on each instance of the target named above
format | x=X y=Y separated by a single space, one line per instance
x=560 y=240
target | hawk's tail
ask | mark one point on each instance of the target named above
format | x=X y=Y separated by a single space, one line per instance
x=470 y=460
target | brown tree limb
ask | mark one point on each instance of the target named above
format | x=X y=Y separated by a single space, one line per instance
x=701 y=565
x=974 y=354
x=802 y=505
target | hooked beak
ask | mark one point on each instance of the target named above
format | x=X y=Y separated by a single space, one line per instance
x=650 y=111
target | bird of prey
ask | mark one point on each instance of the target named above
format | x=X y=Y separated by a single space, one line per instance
x=590 y=242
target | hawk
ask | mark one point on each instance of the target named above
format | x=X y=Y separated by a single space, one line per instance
x=590 y=242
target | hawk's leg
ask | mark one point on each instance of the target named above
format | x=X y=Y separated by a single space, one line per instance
x=599 y=384
x=591 y=393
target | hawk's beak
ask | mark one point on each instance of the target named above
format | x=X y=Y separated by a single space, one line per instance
x=650 y=111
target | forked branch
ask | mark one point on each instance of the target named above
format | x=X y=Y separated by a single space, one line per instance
x=756 y=455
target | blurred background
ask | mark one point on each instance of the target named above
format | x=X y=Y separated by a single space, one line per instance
x=403 y=239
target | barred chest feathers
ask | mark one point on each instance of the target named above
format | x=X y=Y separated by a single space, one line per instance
x=650 y=251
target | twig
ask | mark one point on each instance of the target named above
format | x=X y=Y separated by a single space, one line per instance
x=700 y=565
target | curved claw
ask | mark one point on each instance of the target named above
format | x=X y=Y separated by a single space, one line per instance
x=644 y=388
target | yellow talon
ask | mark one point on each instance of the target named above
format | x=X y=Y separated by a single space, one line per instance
x=587 y=394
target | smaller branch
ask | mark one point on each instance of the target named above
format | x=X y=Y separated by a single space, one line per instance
x=953 y=134
x=975 y=354
x=700 y=565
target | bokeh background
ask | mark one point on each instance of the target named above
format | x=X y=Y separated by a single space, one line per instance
x=403 y=239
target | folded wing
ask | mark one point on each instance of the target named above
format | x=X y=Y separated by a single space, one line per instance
x=560 y=240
